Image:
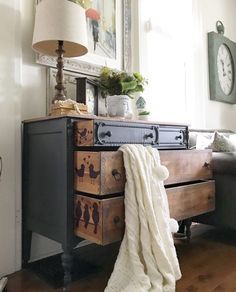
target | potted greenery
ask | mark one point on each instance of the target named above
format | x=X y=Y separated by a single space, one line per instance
x=118 y=87
x=143 y=115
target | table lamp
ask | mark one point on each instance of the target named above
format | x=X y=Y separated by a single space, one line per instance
x=60 y=30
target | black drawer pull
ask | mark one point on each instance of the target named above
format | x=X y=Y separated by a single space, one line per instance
x=0 y=167
x=148 y=136
x=118 y=222
x=207 y=165
x=108 y=134
x=178 y=137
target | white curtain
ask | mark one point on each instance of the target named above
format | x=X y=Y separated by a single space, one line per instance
x=169 y=38
x=197 y=77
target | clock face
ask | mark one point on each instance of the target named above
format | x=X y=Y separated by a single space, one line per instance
x=90 y=100
x=225 y=69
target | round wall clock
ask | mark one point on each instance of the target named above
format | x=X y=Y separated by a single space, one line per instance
x=225 y=69
x=222 y=58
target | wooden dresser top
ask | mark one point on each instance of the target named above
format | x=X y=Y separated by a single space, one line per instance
x=93 y=117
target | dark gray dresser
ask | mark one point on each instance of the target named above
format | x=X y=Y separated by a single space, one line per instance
x=68 y=162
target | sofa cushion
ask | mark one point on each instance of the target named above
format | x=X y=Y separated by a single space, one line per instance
x=217 y=142
x=194 y=133
x=221 y=143
x=204 y=141
x=232 y=138
x=224 y=162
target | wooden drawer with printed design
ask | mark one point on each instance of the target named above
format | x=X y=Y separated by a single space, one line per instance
x=99 y=173
x=102 y=173
x=100 y=221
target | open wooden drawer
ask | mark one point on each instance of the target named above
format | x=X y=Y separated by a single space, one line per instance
x=102 y=173
x=189 y=200
x=102 y=220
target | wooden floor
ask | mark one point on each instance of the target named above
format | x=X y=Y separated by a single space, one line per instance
x=208 y=263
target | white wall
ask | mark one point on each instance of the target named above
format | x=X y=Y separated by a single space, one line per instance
x=33 y=104
x=195 y=108
x=10 y=104
x=22 y=96
x=217 y=114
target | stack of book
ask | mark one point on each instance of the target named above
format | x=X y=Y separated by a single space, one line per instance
x=68 y=107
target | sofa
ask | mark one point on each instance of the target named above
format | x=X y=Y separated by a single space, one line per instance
x=224 y=174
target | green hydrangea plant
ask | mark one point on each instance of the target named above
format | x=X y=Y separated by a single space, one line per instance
x=113 y=82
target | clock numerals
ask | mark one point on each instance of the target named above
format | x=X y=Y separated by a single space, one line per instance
x=225 y=69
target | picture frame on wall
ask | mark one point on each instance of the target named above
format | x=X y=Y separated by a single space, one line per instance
x=111 y=46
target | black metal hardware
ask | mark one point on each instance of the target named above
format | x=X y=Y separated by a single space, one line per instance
x=185 y=137
x=148 y=136
x=125 y=133
x=108 y=134
x=1 y=165
x=118 y=221
x=172 y=137
x=116 y=174
x=220 y=27
x=206 y=164
x=162 y=137
x=178 y=137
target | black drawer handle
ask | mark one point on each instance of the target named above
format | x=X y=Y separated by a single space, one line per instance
x=148 y=136
x=118 y=222
x=178 y=137
x=207 y=165
x=108 y=134
x=1 y=165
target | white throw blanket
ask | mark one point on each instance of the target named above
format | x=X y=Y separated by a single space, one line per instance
x=147 y=258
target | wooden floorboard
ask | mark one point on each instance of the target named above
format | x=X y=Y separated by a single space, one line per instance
x=208 y=263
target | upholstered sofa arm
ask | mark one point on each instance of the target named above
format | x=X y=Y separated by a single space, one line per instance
x=224 y=162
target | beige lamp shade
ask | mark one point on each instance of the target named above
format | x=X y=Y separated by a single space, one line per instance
x=60 y=20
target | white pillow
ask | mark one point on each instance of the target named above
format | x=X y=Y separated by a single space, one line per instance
x=232 y=138
x=222 y=144
x=204 y=140
x=217 y=142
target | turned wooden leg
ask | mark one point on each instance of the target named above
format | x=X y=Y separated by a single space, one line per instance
x=188 y=223
x=26 y=246
x=181 y=227
x=67 y=261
